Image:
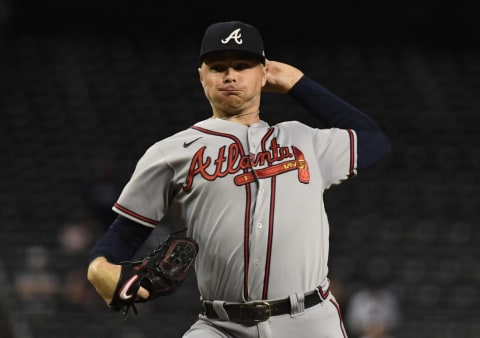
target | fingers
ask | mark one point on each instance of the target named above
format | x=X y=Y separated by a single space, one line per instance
x=143 y=293
x=281 y=77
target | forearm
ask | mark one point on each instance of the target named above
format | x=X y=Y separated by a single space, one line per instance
x=121 y=241
x=334 y=112
x=331 y=110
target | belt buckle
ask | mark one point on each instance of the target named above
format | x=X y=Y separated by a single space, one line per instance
x=255 y=312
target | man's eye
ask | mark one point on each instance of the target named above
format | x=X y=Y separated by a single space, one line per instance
x=237 y=66
x=242 y=66
x=218 y=68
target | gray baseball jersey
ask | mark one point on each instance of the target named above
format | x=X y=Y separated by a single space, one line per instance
x=252 y=197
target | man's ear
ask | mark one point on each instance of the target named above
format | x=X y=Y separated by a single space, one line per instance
x=200 y=75
x=265 y=73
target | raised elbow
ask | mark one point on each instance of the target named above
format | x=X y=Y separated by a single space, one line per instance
x=373 y=146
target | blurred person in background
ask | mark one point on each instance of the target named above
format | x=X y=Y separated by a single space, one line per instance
x=36 y=283
x=373 y=311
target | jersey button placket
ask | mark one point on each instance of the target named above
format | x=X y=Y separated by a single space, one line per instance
x=259 y=217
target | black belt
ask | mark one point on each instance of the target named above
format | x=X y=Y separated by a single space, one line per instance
x=255 y=312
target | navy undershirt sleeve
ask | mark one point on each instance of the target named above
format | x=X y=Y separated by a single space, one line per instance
x=334 y=112
x=121 y=241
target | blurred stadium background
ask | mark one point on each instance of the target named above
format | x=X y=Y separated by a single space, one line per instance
x=86 y=86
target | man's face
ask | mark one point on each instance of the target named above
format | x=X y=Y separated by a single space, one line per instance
x=232 y=82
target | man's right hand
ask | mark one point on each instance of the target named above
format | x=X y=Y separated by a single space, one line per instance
x=281 y=77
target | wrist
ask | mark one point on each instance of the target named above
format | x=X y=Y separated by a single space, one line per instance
x=95 y=267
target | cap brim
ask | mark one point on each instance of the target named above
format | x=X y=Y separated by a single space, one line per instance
x=241 y=53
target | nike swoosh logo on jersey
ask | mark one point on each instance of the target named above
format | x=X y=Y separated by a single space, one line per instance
x=186 y=144
x=126 y=287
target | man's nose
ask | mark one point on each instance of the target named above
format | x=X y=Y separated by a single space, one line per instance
x=229 y=75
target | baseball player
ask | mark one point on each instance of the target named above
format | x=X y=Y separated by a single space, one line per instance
x=249 y=193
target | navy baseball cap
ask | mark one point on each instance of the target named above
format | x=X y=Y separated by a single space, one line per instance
x=232 y=36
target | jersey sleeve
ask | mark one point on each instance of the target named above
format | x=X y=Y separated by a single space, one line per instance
x=145 y=197
x=337 y=157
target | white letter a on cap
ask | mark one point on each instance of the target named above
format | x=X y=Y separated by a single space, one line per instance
x=235 y=35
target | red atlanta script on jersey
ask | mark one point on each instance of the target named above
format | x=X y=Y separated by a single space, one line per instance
x=212 y=169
